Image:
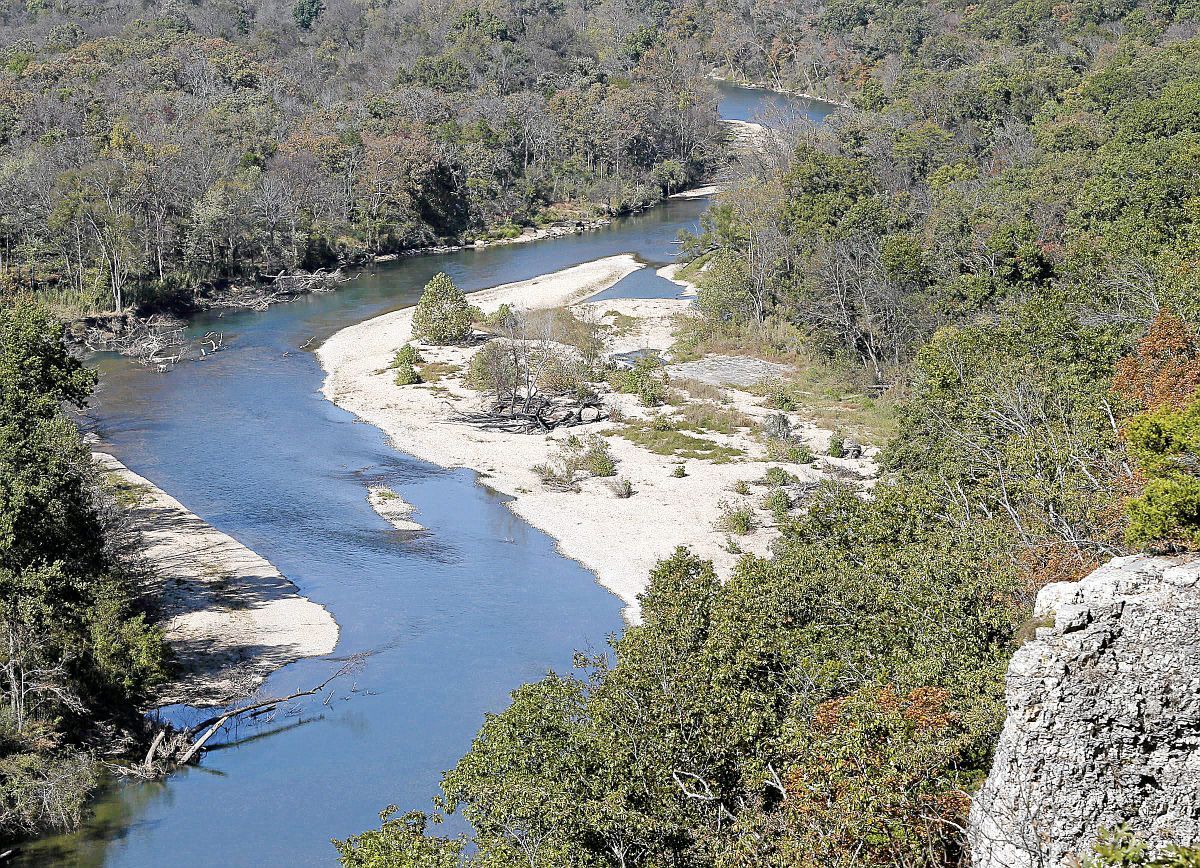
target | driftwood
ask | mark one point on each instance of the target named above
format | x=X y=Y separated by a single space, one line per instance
x=282 y=287
x=156 y=341
x=172 y=748
x=540 y=418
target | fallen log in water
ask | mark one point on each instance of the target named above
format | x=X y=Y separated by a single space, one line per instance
x=173 y=748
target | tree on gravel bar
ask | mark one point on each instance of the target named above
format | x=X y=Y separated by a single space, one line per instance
x=442 y=315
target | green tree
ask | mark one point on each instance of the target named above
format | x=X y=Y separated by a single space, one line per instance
x=75 y=647
x=306 y=12
x=1165 y=447
x=442 y=315
x=401 y=842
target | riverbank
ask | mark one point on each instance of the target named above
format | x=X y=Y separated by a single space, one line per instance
x=617 y=535
x=796 y=94
x=230 y=617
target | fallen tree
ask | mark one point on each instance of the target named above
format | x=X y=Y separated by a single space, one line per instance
x=172 y=747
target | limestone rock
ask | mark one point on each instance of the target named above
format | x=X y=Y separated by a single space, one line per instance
x=1103 y=722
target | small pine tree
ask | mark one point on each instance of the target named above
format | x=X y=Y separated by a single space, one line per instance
x=442 y=315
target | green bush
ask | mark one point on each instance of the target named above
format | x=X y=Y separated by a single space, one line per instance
x=406 y=355
x=793 y=453
x=1165 y=447
x=837 y=446
x=442 y=315
x=736 y=518
x=501 y=317
x=597 y=460
x=646 y=379
x=679 y=472
x=778 y=476
x=778 y=503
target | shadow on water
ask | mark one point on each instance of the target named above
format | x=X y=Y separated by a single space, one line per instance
x=456 y=616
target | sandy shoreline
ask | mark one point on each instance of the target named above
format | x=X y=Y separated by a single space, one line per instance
x=619 y=539
x=230 y=617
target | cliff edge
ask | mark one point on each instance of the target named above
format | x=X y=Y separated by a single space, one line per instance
x=1103 y=724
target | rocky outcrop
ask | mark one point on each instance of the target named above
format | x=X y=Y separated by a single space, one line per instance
x=1103 y=723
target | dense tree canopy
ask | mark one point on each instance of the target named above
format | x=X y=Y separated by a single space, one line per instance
x=78 y=649
x=148 y=157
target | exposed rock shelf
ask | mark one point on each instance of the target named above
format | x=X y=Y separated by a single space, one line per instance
x=1103 y=723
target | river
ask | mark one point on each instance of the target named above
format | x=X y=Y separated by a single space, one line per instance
x=454 y=617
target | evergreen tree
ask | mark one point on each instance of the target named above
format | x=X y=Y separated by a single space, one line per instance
x=442 y=315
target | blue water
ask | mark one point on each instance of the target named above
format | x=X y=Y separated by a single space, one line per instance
x=454 y=617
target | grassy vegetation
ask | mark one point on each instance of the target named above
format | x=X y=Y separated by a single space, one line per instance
x=736 y=518
x=821 y=393
x=128 y=494
x=700 y=389
x=432 y=372
x=692 y=269
x=671 y=441
x=704 y=416
x=622 y=323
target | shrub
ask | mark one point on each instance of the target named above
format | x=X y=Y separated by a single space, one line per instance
x=1165 y=446
x=793 y=453
x=646 y=379
x=778 y=476
x=622 y=488
x=406 y=355
x=597 y=460
x=736 y=518
x=406 y=375
x=442 y=315
x=778 y=503
x=837 y=446
x=679 y=472
x=501 y=317
x=556 y=478
x=404 y=363
x=575 y=457
x=740 y=487
x=779 y=399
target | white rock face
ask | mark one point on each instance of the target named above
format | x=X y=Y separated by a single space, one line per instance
x=1103 y=720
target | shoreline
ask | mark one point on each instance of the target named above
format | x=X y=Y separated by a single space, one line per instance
x=714 y=76
x=230 y=617
x=618 y=539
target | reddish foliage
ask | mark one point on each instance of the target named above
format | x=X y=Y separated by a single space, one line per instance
x=1164 y=370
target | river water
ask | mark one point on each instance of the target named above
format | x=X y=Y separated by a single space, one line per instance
x=454 y=617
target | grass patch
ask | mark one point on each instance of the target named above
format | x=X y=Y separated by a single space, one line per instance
x=622 y=323
x=704 y=416
x=671 y=441
x=431 y=372
x=691 y=270
x=128 y=494
x=827 y=396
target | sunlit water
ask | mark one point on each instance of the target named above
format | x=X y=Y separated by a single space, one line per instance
x=454 y=617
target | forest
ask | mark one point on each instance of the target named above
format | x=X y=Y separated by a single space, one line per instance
x=995 y=244
x=153 y=157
